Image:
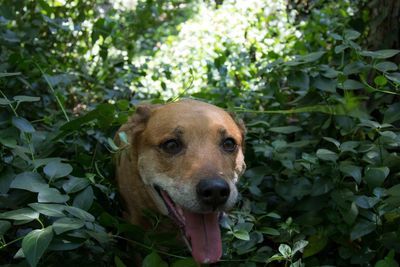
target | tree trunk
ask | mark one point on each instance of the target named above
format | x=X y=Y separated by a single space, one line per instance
x=384 y=32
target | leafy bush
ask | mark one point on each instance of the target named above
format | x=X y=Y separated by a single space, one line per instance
x=322 y=185
x=326 y=157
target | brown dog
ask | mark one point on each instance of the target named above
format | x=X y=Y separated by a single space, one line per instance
x=183 y=160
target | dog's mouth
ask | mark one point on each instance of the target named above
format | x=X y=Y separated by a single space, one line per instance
x=201 y=230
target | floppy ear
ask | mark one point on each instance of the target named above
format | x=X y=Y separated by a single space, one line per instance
x=134 y=126
x=130 y=185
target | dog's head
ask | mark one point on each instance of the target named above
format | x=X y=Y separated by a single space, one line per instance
x=190 y=156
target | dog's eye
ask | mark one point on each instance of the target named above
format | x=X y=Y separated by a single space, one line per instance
x=229 y=145
x=171 y=146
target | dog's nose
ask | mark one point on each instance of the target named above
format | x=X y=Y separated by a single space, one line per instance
x=214 y=191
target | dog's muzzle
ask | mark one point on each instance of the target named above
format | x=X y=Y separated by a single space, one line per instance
x=201 y=228
x=213 y=192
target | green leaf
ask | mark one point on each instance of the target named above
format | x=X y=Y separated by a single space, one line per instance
x=326 y=154
x=302 y=59
x=56 y=169
x=84 y=199
x=386 y=66
x=241 y=234
x=24 y=214
x=392 y=113
x=286 y=251
x=366 y=202
x=52 y=210
x=351 y=85
x=350 y=215
x=276 y=257
x=123 y=104
x=349 y=146
x=299 y=80
x=388 y=261
x=31 y=181
x=118 y=262
x=246 y=226
x=394 y=76
x=189 y=262
x=67 y=224
x=380 y=80
x=387 y=53
x=361 y=229
x=63 y=245
x=75 y=184
x=285 y=129
x=273 y=215
x=314 y=56
x=351 y=170
x=394 y=191
x=354 y=67
x=4 y=226
x=340 y=48
x=379 y=192
x=101 y=236
x=20 y=255
x=79 y=213
x=370 y=124
x=8 y=74
x=35 y=244
x=46 y=7
x=333 y=141
x=154 y=260
x=351 y=34
x=60 y=79
x=6 y=178
x=52 y=195
x=328 y=71
x=324 y=84
x=375 y=176
x=25 y=98
x=336 y=36
x=23 y=125
x=103 y=114
x=112 y=145
x=5 y=102
x=269 y=231
x=10 y=142
x=40 y=162
x=316 y=243
x=123 y=137
x=299 y=246
x=293 y=189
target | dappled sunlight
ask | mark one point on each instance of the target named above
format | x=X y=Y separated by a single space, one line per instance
x=180 y=63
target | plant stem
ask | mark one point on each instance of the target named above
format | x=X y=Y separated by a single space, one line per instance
x=11 y=242
x=11 y=106
x=40 y=222
x=54 y=93
x=149 y=247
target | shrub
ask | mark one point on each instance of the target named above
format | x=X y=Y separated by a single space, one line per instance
x=322 y=185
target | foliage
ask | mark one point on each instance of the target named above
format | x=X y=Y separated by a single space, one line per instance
x=322 y=185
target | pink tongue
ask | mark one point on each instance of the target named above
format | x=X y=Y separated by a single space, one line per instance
x=204 y=235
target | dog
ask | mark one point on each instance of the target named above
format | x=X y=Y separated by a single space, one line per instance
x=183 y=159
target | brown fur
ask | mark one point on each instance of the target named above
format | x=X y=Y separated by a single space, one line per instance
x=201 y=126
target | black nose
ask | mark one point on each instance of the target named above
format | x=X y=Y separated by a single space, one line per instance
x=214 y=191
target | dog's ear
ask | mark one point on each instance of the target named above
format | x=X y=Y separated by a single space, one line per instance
x=136 y=123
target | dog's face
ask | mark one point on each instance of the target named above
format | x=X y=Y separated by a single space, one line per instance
x=183 y=146
x=190 y=156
